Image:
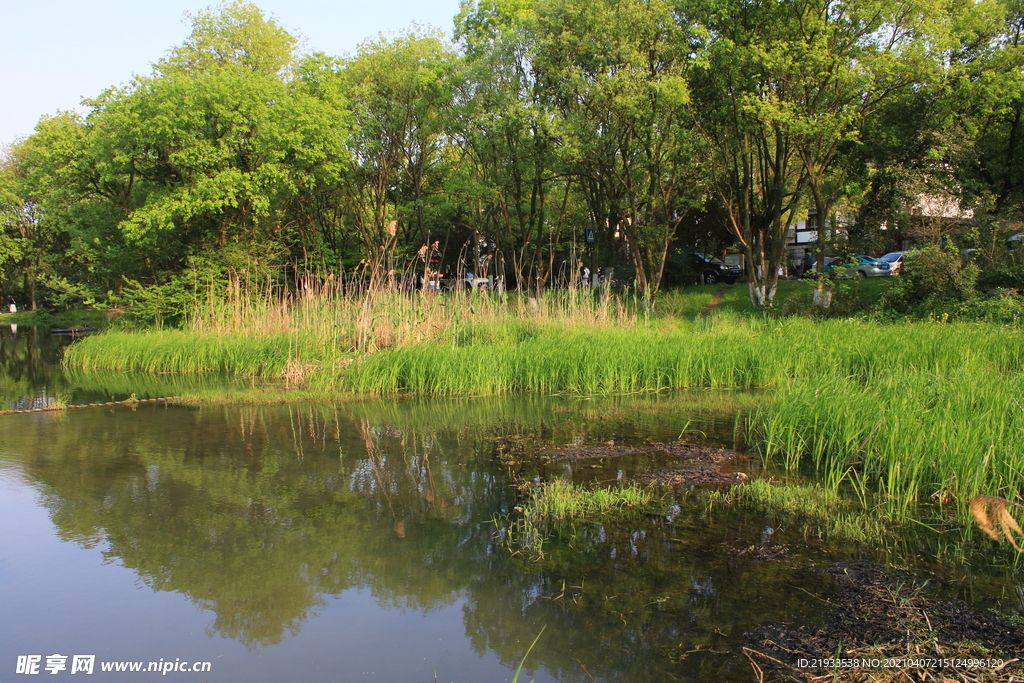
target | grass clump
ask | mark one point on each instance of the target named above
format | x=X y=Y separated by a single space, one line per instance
x=915 y=435
x=817 y=510
x=563 y=501
x=553 y=505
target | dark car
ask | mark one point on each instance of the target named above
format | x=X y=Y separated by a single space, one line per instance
x=712 y=270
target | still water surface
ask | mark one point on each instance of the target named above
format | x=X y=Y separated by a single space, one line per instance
x=356 y=541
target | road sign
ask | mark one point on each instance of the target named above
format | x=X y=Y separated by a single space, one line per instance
x=590 y=234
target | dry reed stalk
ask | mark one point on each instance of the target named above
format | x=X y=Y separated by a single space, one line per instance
x=991 y=512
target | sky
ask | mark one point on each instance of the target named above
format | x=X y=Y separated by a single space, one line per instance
x=54 y=53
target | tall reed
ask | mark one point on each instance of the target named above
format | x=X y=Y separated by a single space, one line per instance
x=915 y=434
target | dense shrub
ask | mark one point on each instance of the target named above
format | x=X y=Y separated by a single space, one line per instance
x=933 y=280
x=1009 y=275
x=1002 y=306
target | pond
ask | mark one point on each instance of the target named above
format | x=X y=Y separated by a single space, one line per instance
x=357 y=541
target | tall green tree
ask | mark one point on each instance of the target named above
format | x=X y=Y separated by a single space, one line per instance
x=783 y=89
x=234 y=34
x=43 y=248
x=507 y=134
x=210 y=155
x=981 y=131
x=12 y=214
x=617 y=70
x=400 y=92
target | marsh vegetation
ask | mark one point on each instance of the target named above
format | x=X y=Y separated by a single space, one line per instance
x=915 y=410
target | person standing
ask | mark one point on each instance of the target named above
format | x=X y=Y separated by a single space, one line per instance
x=808 y=262
x=11 y=305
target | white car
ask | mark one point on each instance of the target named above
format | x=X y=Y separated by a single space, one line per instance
x=895 y=261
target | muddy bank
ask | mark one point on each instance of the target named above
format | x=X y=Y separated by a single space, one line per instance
x=884 y=625
x=692 y=464
x=126 y=402
x=679 y=463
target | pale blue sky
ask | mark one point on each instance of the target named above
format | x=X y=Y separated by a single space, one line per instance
x=56 y=52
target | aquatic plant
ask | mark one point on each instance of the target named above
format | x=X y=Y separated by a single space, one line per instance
x=815 y=509
x=522 y=663
x=941 y=434
x=555 y=503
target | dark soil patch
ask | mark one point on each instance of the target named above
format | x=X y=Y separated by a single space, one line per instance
x=697 y=464
x=693 y=464
x=878 y=618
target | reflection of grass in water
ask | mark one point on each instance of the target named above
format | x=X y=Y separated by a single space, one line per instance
x=559 y=502
x=96 y=318
x=817 y=510
x=495 y=414
x=719 y=403
x=149 y=385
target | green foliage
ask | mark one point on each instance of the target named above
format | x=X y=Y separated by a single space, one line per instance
x=510 y=161
x=914 y=433
x=214 y=148
x=934 y=280
x=617 y=74
x=236 y=34
x=1000 y=306
x=785 y=89
x=1006 y=276
x=156 y=304
x=400 y=92
x=63 y=293
x=558 y=115
x=855 y=297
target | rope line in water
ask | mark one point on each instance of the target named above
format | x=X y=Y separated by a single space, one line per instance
x=127 y=401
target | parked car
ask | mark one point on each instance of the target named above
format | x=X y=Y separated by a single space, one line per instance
x=711 y=269
x=451 y=283
x=858 y=266
x=895 y=261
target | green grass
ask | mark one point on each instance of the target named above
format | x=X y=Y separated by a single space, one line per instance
x=562 y=501
x=817 y=510
x=916 y=434
x=178 y=351
x=553 y=505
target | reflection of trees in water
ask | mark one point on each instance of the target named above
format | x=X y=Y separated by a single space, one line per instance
x=635 y=605
x=29 y=367
x=256 y=513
